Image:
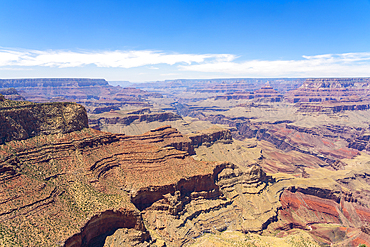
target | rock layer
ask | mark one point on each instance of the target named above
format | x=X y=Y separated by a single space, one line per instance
x=78 y=187
x=318 y=90
x=22 y=122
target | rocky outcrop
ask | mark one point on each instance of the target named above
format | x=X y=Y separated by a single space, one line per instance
x=96 y=230
x=308 y=208
x=134 y=118
x=25 y=121
x=11 y=94
x=319 y=90
x=71 y=180
x=135 y=93
x=209 y=203
x=225 y=88
x=87 y=185
x=89 y=92
x=91 y=105
x=167 y=137
x=320 y=142
x=265 y=93
x=331 y=107
x=235 y=96
x=51 y=82
x=140 y=111
x=98 y=110
x=210 y=136
x=217 y=86
x=361 y=142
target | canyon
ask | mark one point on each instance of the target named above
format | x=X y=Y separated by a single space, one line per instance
x=247 y=162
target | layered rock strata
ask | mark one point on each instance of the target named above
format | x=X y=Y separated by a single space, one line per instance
x=331 y=107
x=328 y=143
x=235 y=96
x=80 y=187
x=312 y=208
x=51 y=82
x=318 y=90
x=89 y=92
x=125 y=120
x=25 y=121
x=265 y=93
x=268 y=93
x=11 y=93
x=210 y=136
x=85 y=184
x=92 y=188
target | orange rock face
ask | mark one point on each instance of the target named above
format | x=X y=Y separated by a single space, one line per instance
x=130 y=118
x=47 y=180
x=77 y=187
x=313 y=208
x=25 y=121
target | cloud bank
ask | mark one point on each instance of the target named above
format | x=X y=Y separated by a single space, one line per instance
x=113 y=59
x=326 y=65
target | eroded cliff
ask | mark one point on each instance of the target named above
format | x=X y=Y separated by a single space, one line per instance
x=85 y=187
x=76 y=188
x=20 y=120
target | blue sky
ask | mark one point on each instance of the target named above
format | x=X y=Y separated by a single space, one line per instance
x=156 y=40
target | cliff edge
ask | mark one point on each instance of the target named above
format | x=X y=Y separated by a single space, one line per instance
x=22 y=120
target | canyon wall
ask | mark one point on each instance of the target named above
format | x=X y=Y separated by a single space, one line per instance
x=77 y=188
x=318 y=90
x=51 y=82
x=25 y=121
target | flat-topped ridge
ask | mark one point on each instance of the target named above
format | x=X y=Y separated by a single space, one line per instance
x=52 y=82
x=22 y=121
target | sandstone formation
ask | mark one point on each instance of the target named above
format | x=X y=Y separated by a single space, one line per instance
x=87 y=186
x=98 y=110
x=51 y=82
x=11 y=93
x=79 y=187
x=330 y=107
x=318 y=90
x=328 y=143
x=330 y=215
x=25 y=121
x=134 y=93
x=125 y=119
x=243 y=172
x=184 y=91
x=91 y=93
x=210 y=136
x=265 y=93
x=235 y=96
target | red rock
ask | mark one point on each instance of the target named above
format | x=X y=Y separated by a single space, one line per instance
x=318 y=90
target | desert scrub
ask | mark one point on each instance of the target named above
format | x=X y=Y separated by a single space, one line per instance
x=8 y=236
x=87 y=199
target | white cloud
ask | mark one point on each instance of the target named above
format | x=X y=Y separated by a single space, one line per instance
x=325 y=65
x=113 y=59
x=348 y=64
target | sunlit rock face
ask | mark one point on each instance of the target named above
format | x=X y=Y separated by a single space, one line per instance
x=66 y=184
x=318 y=90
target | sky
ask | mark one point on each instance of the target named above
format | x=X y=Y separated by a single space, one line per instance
x=140 y=41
